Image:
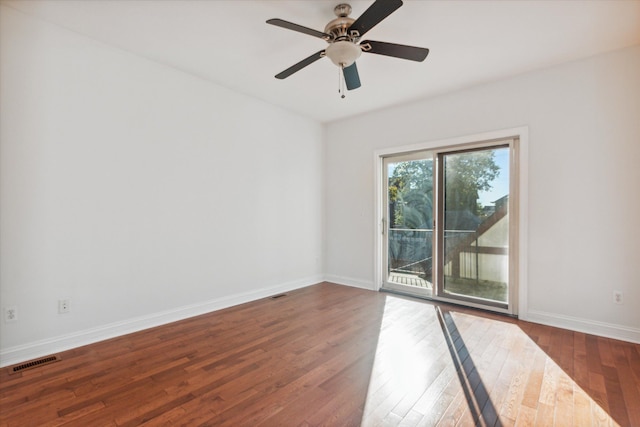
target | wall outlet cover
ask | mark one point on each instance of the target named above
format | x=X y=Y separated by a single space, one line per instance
x=10 y=314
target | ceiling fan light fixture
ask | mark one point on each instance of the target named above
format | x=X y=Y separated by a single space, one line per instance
x=343 y=53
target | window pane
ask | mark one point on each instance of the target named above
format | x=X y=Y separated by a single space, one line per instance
x=410 y=230
x=476 y=224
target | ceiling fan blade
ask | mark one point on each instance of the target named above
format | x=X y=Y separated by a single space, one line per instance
x=371 y=17
x=351 y=77
x=396 y=50
x=300 y=65
x=299 y=28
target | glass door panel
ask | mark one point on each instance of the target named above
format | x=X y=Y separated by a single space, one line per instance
x=475 y=226
x=409 y=223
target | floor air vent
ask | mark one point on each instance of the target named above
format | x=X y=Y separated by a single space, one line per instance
x=34 y=364
x=278 y=296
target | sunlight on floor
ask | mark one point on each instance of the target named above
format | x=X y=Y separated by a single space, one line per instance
x=439 y=367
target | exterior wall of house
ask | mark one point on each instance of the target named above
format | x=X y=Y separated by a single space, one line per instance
x=486 y=267
x=583 y=199
x=142 y=194
x=497 y=236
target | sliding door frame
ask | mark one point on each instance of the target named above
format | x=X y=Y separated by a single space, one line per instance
x=511 y=305
x=517 y=208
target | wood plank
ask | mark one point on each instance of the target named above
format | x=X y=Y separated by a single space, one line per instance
x=615 y=395
x=581 y=408
x=630 y=386
x=564 y=401
x=526 y=417
x=533 y=386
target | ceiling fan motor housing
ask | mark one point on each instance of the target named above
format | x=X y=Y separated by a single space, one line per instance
x=342 y=49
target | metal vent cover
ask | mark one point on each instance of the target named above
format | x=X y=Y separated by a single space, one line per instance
x=34 y=364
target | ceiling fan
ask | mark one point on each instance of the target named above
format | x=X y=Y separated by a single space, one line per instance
x=343 y=35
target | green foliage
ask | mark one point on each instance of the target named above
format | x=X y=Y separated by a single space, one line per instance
x=411 y=187
x=466 y=175
x=393 y=193
x=410 y=194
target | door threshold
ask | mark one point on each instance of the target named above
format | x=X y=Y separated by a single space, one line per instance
x=447 y=302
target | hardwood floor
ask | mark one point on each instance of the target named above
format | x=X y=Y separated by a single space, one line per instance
x=338 y=356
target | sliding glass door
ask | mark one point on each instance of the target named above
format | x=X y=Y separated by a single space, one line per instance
x=448 y=228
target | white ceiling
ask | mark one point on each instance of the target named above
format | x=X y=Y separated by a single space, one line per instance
x=229 y=43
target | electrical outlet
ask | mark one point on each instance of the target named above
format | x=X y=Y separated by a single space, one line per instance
x=618 y=297
x=64 y=306
x=10 y=314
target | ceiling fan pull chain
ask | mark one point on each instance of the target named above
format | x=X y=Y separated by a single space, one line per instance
x=341 y=80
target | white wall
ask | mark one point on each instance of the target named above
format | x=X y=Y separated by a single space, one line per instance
x=147 y=195
x=141 y=193
x=584 y=198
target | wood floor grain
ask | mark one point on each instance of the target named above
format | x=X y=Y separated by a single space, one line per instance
x=335 y=356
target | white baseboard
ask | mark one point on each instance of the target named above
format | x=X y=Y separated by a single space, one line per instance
x=586 y=326
x=21 y=353
x=350 y=281
x=608 y=330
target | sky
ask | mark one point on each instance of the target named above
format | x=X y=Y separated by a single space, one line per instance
x=501 y=183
